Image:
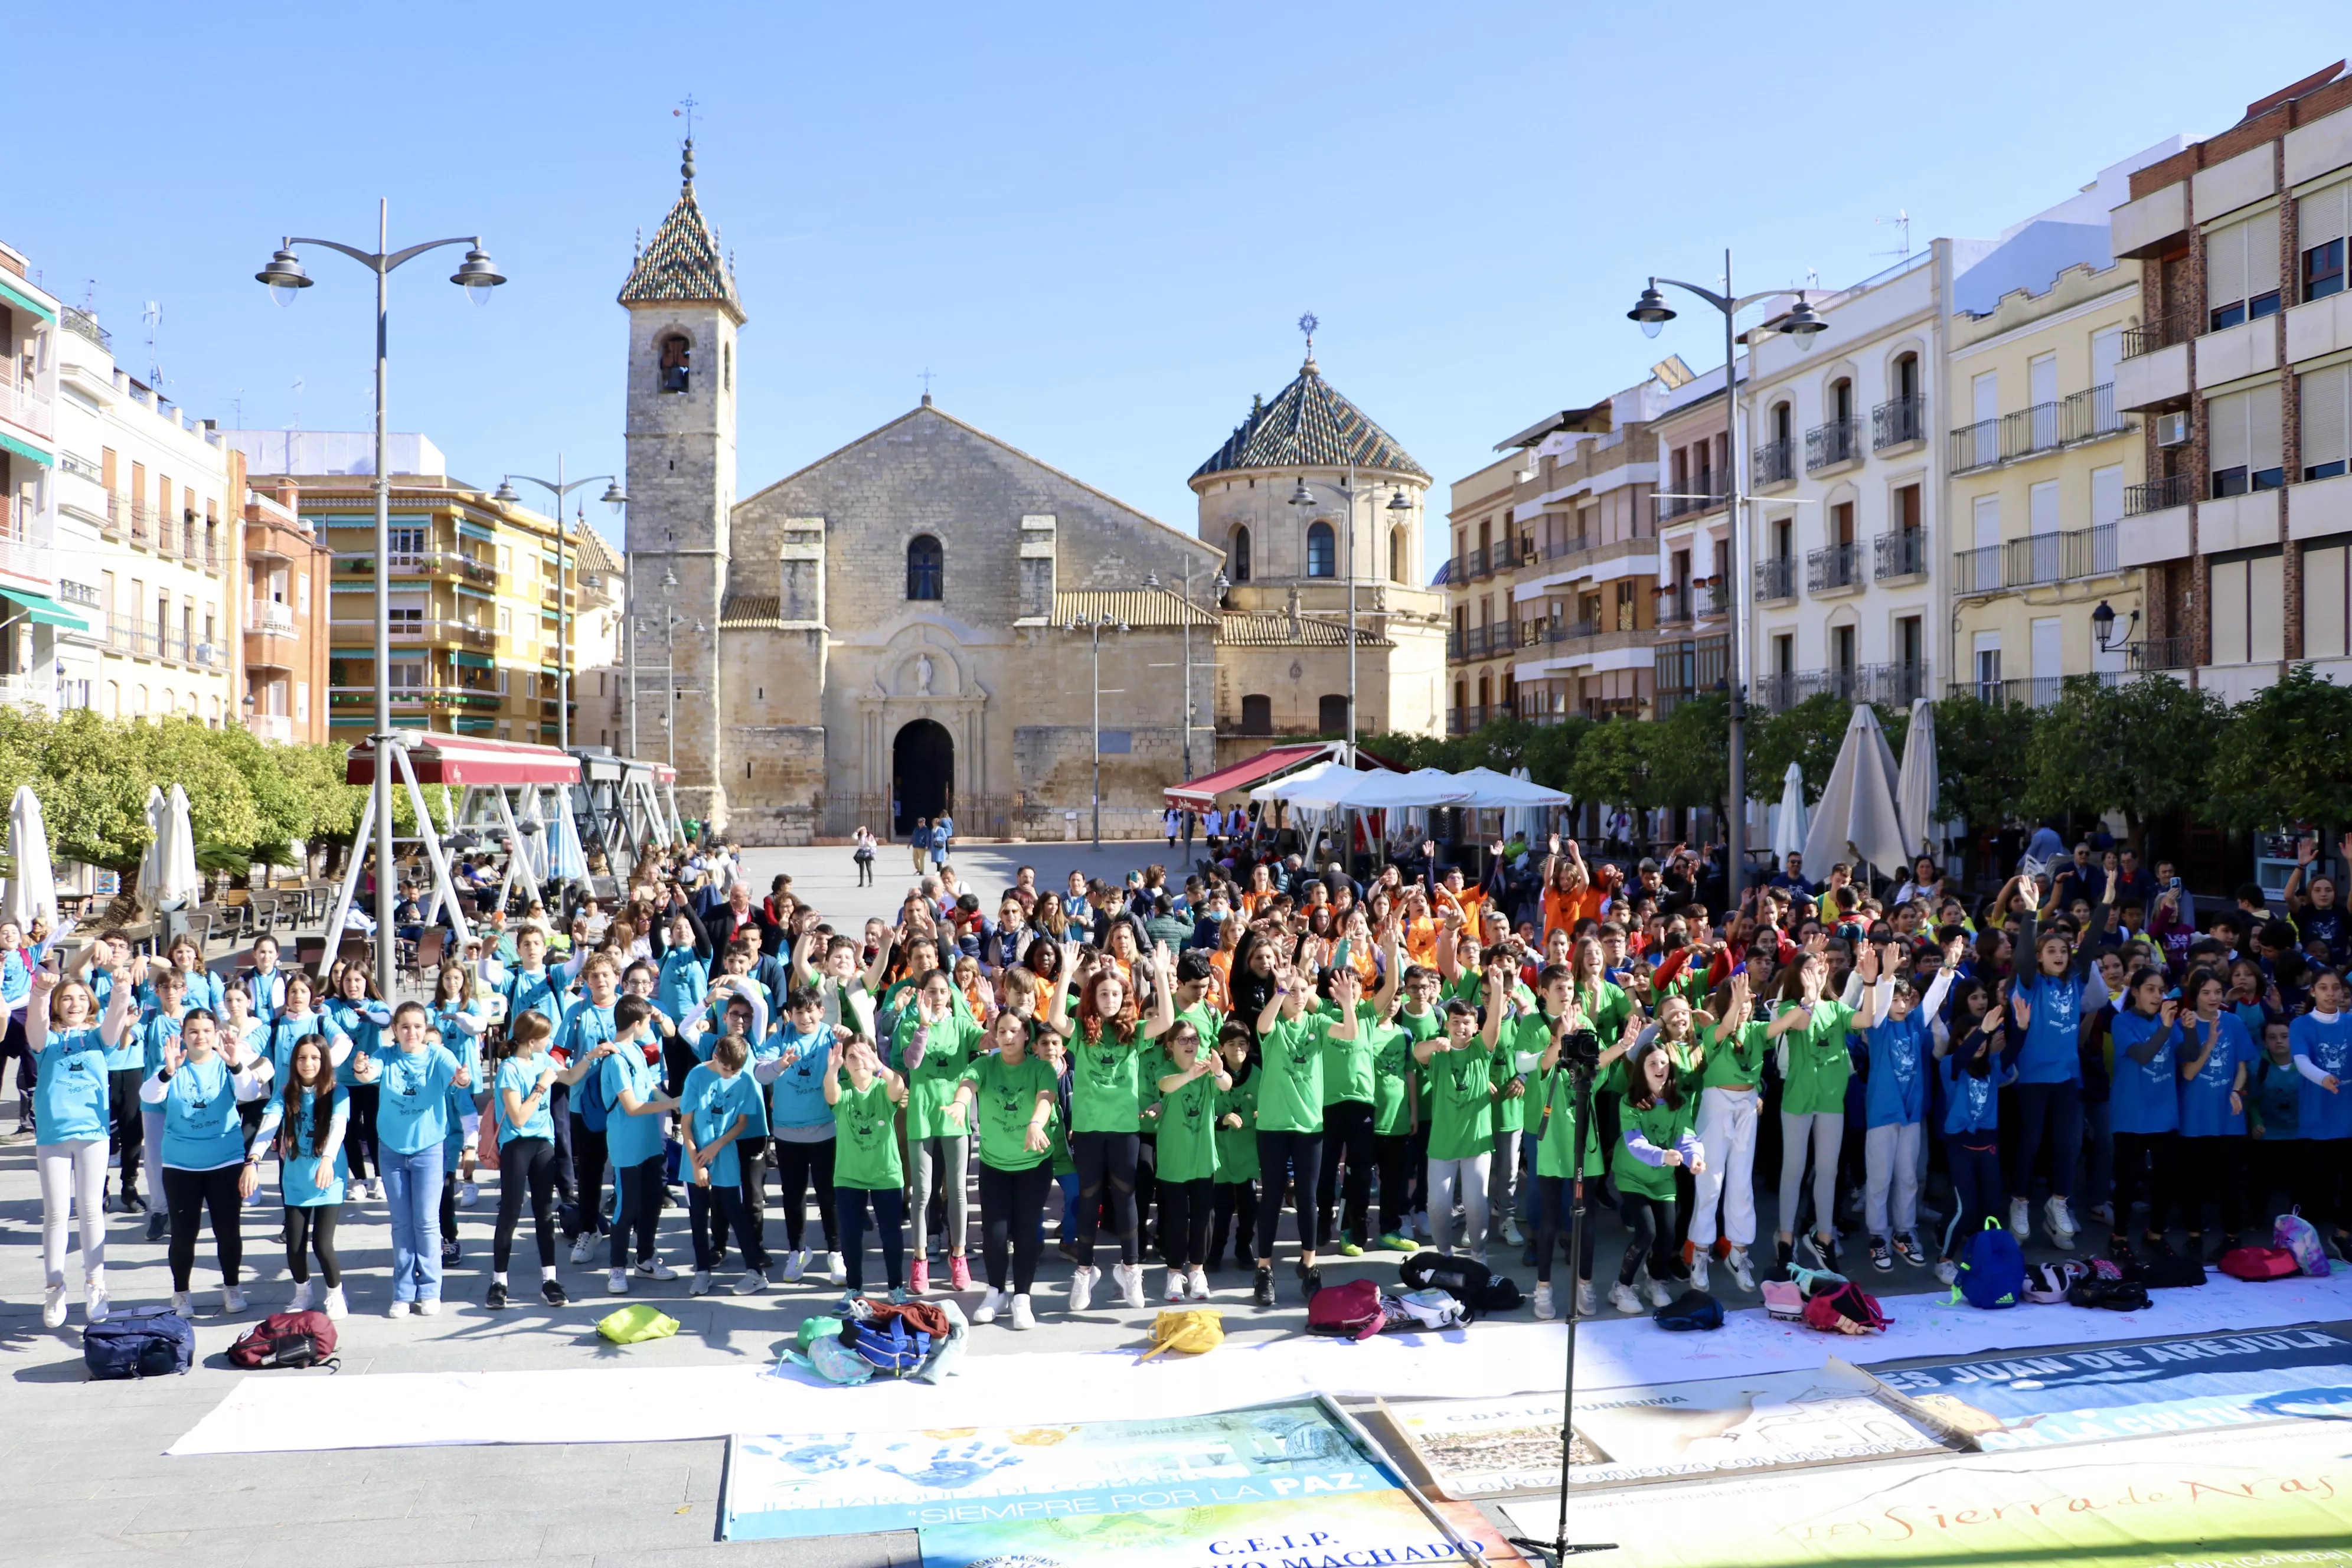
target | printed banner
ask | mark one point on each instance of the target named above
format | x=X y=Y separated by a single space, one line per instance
x=848 y=1483
x=1488 y=1447
x=2056 y=1397
x=1361 y=1529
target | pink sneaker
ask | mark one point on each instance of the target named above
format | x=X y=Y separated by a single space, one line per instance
x=918 y=1281
x=959 y=1274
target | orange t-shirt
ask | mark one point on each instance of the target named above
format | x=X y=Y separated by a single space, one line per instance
x=1562 y=910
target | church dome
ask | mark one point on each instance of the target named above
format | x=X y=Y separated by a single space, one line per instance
x=1308 y=425
x=684 y=264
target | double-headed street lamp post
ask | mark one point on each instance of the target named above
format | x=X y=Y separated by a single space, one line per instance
x=613 y=498
x=1094 y=628
x=1152 y=580
x=287 y=279
x=1303 y=497
x=1651 y=312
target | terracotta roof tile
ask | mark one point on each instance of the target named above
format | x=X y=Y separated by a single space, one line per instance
x=1308 y=425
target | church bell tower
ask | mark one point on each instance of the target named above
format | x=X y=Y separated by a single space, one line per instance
x=684 y=315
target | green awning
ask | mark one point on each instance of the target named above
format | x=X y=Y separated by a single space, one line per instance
x=478 y=660
x=45 y=610
x=27 y=450
x=16 y=296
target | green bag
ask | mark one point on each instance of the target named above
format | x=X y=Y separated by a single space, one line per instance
x=641 y=1322
x=818 y=1328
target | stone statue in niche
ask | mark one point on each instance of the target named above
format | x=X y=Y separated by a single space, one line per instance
x=923 y=675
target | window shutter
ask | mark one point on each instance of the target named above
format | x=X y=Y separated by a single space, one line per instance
x=2263 y=441
x=2266 y=587
x=2323 y=602
x=2229 y=609
x=2262 y=252
x=2225 y=418
x=2326 y=403
x=2323 y=216
x=2225 y=266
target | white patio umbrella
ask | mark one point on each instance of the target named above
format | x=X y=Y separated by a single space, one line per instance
x=1856 y=812
x=1789 y=816
x=152 y=862
x=1319 y=786
x=1918 y=783
x=1491 y=791
x=1385 y=791
x=568 y=860
x=184 y=886
x=530 y=839
x=32 y=884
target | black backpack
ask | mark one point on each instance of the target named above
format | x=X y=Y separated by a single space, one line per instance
x=1478 y=1287
x=2167 y=1272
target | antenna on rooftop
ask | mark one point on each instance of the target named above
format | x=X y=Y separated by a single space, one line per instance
x=1902 y=222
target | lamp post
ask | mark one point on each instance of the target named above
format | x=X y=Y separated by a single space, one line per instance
x=1652 y=312
x=287 y=279
x=1302 y=496
x=1094 y=628
x=1152 y=580
x=613 y=498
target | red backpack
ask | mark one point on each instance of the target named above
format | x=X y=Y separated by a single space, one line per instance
x=1844 y=1310
x=1349 y=1312
x=287 y=1339
x=2259 y=1263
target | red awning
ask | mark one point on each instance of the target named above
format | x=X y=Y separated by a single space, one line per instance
x=470 y=760
x=1201 y=791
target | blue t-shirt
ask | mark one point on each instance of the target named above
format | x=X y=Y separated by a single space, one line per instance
x=155 y=1030
x=2205 y=1099
x=2144 y=1100
x=2329 y=1047
x=202 y=1131
x=630 y=1140
x=69 y=1095
x=584 y=1026
x=2274 y=1091
x=286 y=1031
x=796 y=1097
x=412 y=1113
x=267 y=993
x=683 y=984
x=298 y=1182
x=713 y=1102
x=16 y=978
x=355 y=1021
x=2051 y=1050
x=468 y=1052
x=1897 y=1094
x=1971 y=1104
x=521 y=1076
x=128 y=1052
x=544 y=993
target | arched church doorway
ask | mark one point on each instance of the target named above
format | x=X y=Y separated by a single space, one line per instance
x=922 y=766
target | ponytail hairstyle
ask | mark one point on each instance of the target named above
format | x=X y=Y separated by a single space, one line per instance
x=532 y=1027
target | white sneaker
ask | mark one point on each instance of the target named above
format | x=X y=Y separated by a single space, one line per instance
x=301 y=1301
x=359 y=1190
x=2061 y=1221
x=986 y=1311
x=1511 y=1231
x=1175 y=1285
x=427 y=1306
x=1945 y=1272
x=701 y=1286
x=1621 y=1297
x=95 y=1305
x=1585 y=1306
x=1743 y=1273
x=617 y=1281
x=754 y=1280
x=182 y=1305
x=1660 y=1295
x=1023 y=1316
x=1198 y=1283
x=468 y=1194
x=2021 y=1220
x=335 y=1305
x=583 y=1248
x=656 y=1269
x=1698 y=1269
x=397 y=1310
x=1082 y=1289
x=1545 y=1310
x=232 y=1300
x=1129 y=1277
x=796 y=1264
x=835 y=1268
x=53 y=1306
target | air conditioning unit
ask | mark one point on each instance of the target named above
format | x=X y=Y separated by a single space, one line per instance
x=2172 y=429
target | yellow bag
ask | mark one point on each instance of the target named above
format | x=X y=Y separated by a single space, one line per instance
x=1195 y=1332
x=634 y=1323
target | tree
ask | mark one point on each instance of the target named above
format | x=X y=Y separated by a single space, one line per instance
x=1613 y=764
x=2138 y=747
x=1690 y=765
x=92 y=780
x=1981 y=758
x=1808 y=735
x=2286 y=757
x=220 y=801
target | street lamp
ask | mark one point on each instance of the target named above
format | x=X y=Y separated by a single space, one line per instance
x=2102 y=625
x=613 y=498
x=1094 y=628
x=285 y=280
x=1301 y=496
x=1152 y=580
x=1652 y=312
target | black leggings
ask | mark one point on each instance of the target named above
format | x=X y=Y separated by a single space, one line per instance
x=752 y=1159
x=889 y=1228
x=1652 y=1221
x=1185 y=1210
x=1295 y=1158
x=1011 y=1205
x=1553 y=1196
x=2048 y=1116
x=449 y=1209
x=798 y=1167
x=587 y=1182
x=1347 y=1129
x=2146 y=1167
x=640 y=1187
x=2213 y=1170
x=188 y=1194
x=527 y=1167
x=1234 y=1212
x=129 y=1127
x=699 y=1200
x=310 y=1226
x=1105 y=1158
x=360 y=1151
x=1392 y=1157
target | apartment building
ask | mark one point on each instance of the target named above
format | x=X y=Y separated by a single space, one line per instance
x=473 y=608
x=31 y=616
x=1691 y=507
x=288 y=570
x=2241 y=370
x=1482 y=645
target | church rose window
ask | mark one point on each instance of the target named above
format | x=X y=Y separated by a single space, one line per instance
x=924 y=568
x=1322 y=550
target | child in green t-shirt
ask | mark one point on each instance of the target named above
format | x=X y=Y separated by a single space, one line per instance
x=1235 y=1201
x=1009 y=1094
x=1463 y=1092
x=865 y=1096
x=1657 y=1141
x=1189 y=1099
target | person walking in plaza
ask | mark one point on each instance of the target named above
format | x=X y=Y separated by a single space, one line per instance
x=919 y=843
x=863 y=855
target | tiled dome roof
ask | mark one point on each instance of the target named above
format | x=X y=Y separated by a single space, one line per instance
x=1309 y=425
x=683 y=263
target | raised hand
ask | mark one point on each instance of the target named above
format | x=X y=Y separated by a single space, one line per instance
x=2021 y=1009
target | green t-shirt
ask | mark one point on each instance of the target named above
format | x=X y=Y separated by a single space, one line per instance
x=1818 y=1061
x=1393 y=1072
x=1188 y=1132
x=1007 y=1104
x=1606 y=1009
x=1237 y=1146
x=1525 y=1037
x=1205 y=1021
x=1735 y=1056
x=1290 y=1099
x=1664 y=1126
x=931 y=1088
x=1462 y=1113
x=865 y=1134
x=1106 y=1084
x=1348 y=1063
x=1554 y=1094
x=1422 y=1026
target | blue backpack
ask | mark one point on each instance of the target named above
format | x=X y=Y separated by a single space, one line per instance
x=1992 y=1268
x=889 y=1347
x=138 y=1344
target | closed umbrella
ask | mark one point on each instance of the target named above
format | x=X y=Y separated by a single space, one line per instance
x=1789 y=816
x=32 y=885
x=185 y=885
x=1916 y=789
x=567 y=861
x=1855 y=814
x=154 y=862
x=530 y=839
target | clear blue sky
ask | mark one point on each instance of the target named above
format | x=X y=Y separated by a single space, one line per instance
x=1097 y=224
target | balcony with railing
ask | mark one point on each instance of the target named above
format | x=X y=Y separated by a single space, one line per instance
x=26 y=409
x=1776 y=578
x=38 y=691
x=1833 y=445
x=1888 y=685
x=1834 y=569
x=270 y=726
x=1463 y=721
x=2036 y=560
x=2160 y=495
x=2159 y=332
x=27 y=550
x=1899 y=553
x=141 y=641
x=1898 y=422
x=1699 y=496
x=450 y=564
x=271 y=616
x=1551 y=633
x=81 y=323
x=1775 y=463
x=447 y=633
x=2164 y=653
x=2029 y=691
x=2086 y=416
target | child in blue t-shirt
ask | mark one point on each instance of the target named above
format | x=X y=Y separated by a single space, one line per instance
x=1895 y=1114
x=522 y=1128
x=720 y=1116
x=2144 y=1109
x=2215 y=1054
x=1969 y=1068
x=792 y=1063
x=2321 y=1041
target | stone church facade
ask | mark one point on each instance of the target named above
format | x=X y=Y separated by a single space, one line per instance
x=908 y=623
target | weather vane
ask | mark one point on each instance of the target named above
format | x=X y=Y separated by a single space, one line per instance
x=686 y=107
x=1306 y=324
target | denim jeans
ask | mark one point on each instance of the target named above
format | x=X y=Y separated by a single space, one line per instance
x=411 y=1192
